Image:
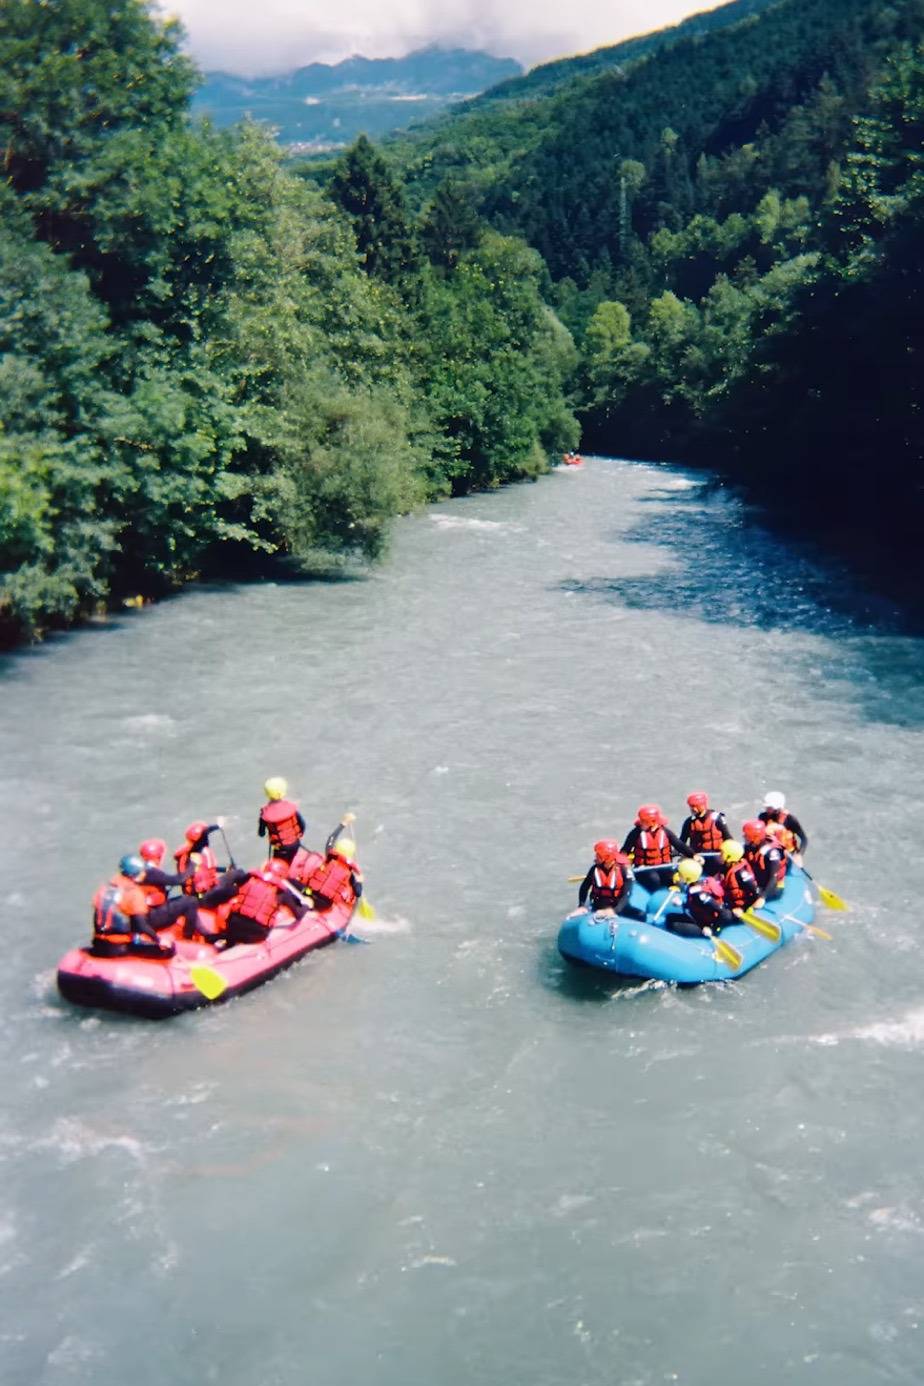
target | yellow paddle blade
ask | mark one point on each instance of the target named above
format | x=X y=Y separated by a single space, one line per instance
x=575 y=880
x=207 y=980
x=828 y=897
x=767 y=927
x=726 y=954
x=819 y=933
x=365 y=909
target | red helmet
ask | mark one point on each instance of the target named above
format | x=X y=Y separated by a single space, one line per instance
x=195 y=831
x=698 y=800
x=754 y=830
x=650 y=816
x=607 y=849
x=153 y=849
x=277 y=868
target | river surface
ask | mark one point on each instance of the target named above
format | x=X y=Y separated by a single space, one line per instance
x=449 y=1158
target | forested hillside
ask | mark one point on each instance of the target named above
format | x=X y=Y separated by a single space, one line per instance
x=729 y=223
x=206 y=363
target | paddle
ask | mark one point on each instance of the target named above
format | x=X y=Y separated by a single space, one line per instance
x=768 y=927
x=726 y=954
x=211 y=983
x=810 y=928
x=308 y=900
x=665 y=902
x=828 y=897
x=231 y=861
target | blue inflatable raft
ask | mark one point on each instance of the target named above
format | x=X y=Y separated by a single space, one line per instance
x=644 y=947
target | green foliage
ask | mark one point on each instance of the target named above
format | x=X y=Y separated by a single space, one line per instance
x=373 y=200
x=202 y=357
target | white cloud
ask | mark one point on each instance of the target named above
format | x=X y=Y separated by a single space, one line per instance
x=278 y=35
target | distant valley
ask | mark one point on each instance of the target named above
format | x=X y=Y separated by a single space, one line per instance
x=323 y=107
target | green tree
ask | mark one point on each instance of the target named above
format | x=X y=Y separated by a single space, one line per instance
x=374 y=202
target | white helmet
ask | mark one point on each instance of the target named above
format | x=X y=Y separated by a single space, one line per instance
x=774 y=800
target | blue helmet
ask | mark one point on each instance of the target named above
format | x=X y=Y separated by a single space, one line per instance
x=132 y=865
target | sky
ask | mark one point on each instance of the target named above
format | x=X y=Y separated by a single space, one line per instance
x=278 y=35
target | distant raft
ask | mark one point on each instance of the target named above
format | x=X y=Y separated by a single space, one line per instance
x=198 y=974
x=645 y=947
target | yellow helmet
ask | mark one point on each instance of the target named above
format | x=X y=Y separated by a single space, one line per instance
x=275 y=787
x=732 y=851
x=344 y=847
x=689 y=870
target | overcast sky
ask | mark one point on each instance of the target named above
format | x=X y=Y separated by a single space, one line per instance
x=259 y=36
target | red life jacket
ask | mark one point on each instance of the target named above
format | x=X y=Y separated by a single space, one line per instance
x=281 y=819
x=114 y=906
x=205 y=874
x=154 y=894
x=765 y=872
x=257 y=899
x=607 y=887
x=740 y=885
x=302 y=865
x=652 y=848
x=705 y=835
x=332 y=879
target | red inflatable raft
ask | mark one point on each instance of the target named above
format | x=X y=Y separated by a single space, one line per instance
x=197 y=974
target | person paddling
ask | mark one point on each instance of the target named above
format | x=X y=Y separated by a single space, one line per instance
x=608 y=883
x=784 y=826
x=212 y=886
x=739 y=882
x=280 y=820
x=651 y=844
x=703 y=901
x=155 y=883
x=705 y=830
x=256 y=902
x=120 y=916
x=337 y=877
x=766 y=857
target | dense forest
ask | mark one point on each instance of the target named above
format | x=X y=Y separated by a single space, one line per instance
x=731 y=223
x=205 y=362
x=702 y=246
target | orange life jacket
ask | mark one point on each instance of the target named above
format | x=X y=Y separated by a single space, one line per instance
x=115 y=904
x=705 y=834
x=652 y=848
x=740 y=885
x=205 y=873
x=607 y=887
x=782 y=835
x=333 y=880
x=302 y=865
x=281 y=819
x=256 y=900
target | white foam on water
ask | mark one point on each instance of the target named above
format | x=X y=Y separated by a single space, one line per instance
x=158 y=723
x=383 y=926
x=906 y=1033
x=432 y=1261
x=461 y=522
x=75 y=1141
x=896 y=1220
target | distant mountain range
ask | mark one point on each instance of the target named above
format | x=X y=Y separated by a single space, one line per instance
x=325 y=107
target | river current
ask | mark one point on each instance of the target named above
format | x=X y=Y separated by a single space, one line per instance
x=449 y=1158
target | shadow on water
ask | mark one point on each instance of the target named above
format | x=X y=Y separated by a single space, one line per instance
x=722 y=565
x=586 y=984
